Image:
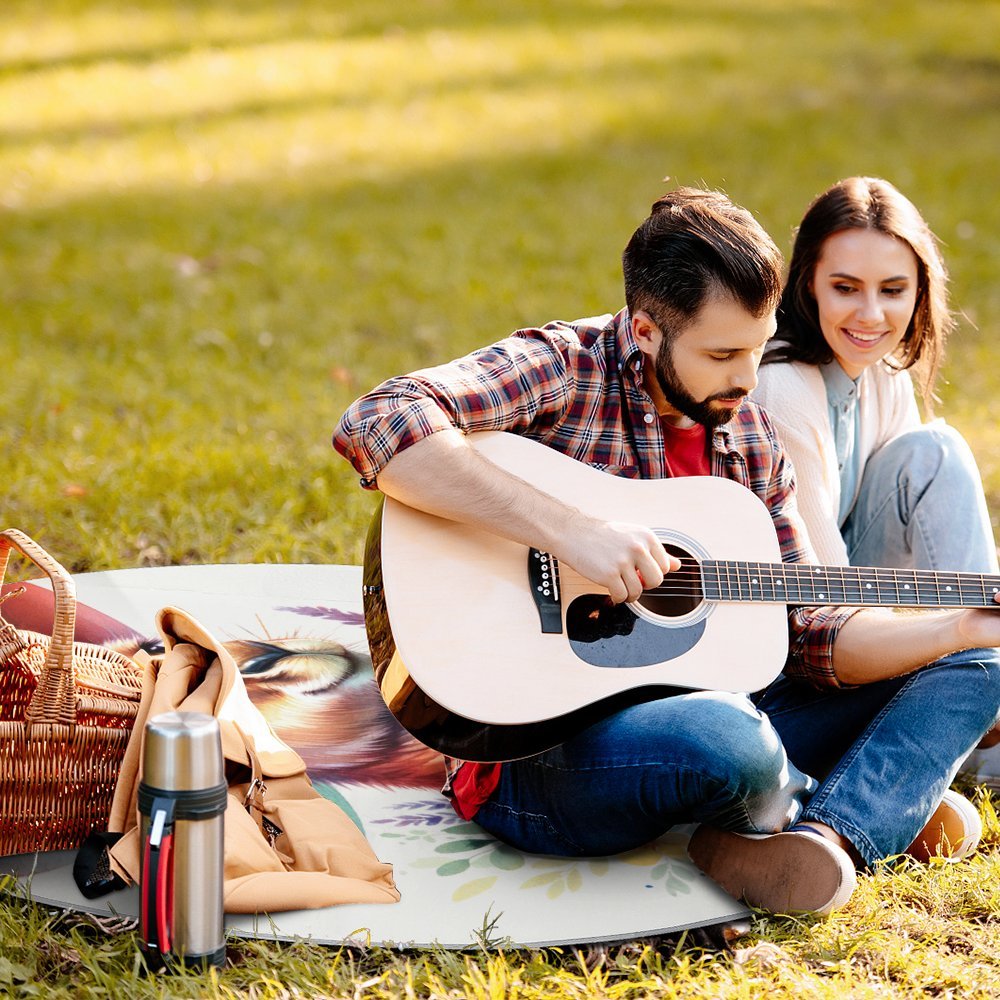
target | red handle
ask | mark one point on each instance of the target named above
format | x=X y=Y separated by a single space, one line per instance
x=156 y=898
x=165 y=893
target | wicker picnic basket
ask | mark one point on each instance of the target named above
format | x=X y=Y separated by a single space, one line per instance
x=66 y=711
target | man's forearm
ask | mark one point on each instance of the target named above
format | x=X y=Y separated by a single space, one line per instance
x=444 y=475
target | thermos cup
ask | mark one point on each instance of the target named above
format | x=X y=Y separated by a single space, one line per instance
x=182 y=801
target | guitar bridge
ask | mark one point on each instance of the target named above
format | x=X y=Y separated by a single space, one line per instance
x=543 y=578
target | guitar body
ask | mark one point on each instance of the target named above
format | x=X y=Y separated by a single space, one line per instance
x=458 y=635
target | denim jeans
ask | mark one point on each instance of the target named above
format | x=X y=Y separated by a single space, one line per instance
x=884 y=753
x=694 y=757
x=921 y=506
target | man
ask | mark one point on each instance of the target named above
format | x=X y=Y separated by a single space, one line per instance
x=852 y=749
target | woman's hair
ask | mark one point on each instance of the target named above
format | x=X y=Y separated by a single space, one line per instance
x=866 y=203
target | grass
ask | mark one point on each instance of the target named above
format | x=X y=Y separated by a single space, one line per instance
x=908 y=932
x=222 y=221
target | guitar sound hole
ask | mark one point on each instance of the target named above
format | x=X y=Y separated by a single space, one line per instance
x=680 y=593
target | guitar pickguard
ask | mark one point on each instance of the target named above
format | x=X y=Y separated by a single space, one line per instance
x=612 y=635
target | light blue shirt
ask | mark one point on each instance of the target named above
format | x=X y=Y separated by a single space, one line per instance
x=842 y=402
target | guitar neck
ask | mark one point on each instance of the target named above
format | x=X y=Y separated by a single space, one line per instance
x=801 y=583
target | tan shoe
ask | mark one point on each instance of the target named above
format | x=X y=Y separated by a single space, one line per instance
x=953 y=832
x=788 y=872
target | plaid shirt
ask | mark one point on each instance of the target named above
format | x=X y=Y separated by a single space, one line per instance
x=577 y=387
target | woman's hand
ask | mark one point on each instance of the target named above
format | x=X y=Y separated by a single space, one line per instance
x=980 y=627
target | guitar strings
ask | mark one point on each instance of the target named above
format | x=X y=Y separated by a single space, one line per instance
x=739 y=578
x=690 y=581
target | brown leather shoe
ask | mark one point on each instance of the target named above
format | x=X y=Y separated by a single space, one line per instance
x=788 y=872
x=953 y=832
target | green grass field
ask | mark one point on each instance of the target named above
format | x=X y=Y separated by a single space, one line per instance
x=222 y=221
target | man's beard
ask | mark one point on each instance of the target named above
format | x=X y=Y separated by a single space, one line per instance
x=680 y=399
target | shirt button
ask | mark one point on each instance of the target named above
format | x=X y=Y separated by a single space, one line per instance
x=648 y=418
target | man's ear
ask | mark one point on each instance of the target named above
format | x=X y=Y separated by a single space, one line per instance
x=646 y=333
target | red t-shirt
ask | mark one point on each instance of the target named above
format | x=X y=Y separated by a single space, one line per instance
x=686 y=450
x=686 y=455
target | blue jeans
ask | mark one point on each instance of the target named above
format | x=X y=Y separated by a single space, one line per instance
x=921 y=506
x=706 y=757
x=885 y=753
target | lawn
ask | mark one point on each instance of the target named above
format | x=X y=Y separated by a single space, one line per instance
x=221 y=221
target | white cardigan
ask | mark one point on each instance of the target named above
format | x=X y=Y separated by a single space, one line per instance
x=794 y=395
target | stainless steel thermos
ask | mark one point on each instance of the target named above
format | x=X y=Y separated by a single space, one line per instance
x=182 y=801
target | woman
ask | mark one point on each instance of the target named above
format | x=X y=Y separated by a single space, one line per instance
x=865 y=304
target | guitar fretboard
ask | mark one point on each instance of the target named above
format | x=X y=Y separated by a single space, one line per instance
x=800 y=583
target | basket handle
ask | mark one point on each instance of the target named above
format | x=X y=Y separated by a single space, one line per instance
x=54 y=700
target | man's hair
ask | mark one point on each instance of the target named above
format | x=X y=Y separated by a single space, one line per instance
x=693 y=245
x=874 y=204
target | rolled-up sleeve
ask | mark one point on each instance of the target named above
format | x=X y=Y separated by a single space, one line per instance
x=515 y=384
x=382 y=423
x=812 y=632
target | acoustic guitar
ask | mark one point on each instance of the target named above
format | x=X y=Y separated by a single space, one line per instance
x=488 y=650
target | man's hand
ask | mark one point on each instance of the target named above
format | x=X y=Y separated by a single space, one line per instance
x=624 y=558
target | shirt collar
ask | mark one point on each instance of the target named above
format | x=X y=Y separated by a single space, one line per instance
x=631 y=358
x=840 y=387
x=722 y=439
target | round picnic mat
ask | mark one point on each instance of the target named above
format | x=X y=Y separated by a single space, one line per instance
x=303 y=629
